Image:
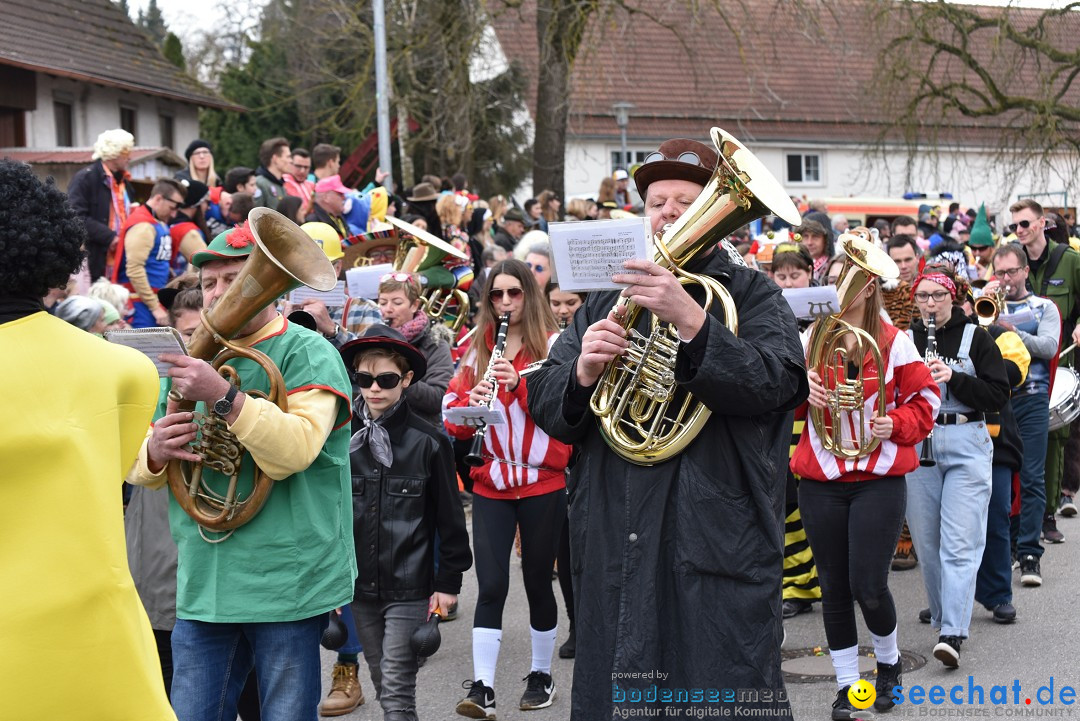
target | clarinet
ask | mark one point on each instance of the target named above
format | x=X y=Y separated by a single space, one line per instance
x=926 y=459
x=475 y=458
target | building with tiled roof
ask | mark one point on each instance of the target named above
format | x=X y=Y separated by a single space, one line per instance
x=70 y=69
x=793 y=86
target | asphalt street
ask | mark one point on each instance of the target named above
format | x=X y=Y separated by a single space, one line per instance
x=1042 y=644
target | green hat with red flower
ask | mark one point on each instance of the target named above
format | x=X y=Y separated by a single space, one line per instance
x=233 y=243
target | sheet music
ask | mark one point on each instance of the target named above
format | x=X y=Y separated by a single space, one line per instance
x=364 y=281
x=475 y=416
x=151 y=342
x=331 y=299
x=812 y=302
x=587 y=253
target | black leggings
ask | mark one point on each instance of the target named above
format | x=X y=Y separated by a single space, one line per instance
x=541 y=519
x=853 y=529
x=566 y=581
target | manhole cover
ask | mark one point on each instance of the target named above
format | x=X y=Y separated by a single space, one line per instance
x=804 y=665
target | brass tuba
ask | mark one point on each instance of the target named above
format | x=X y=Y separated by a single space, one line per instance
x=642 y=416
x=284 y=258
x=829 y=355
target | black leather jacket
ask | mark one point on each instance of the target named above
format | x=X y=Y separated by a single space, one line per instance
x=397 y=510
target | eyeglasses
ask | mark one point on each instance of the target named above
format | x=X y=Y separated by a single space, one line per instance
x=938 y=296
x=386 y=381
x=399 y=277
x=687 y=157
x=1007 y=272
x=496 y=294
x=1025 y=224
x=537 y=267
x=175 y=203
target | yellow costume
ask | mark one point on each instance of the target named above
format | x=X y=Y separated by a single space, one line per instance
x=75 y=642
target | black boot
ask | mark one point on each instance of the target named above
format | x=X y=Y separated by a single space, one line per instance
x=888 y=678
x=841 y=707
x=569 y=649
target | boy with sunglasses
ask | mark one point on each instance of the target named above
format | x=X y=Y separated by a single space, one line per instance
x=404 y=491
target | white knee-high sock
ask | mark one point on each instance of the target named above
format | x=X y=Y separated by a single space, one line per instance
x=485 y=653
x=845 y=662
x=543 y=647
x=885 y=648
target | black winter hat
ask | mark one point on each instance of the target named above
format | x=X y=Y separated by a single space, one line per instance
x=195 y=145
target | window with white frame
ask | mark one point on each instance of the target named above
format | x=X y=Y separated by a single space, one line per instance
x=803 y=168
x=635 y=157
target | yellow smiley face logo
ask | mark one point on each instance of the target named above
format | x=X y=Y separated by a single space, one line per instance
x=861 y=694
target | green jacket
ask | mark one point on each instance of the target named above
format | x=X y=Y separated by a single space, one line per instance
x=1062 y=286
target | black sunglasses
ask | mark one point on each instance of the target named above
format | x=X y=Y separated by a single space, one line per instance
x=687 y=157
x=386 y=381
x=496 y=295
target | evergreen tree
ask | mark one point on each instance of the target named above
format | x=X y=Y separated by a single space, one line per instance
x=153 y=23
x=173 y=50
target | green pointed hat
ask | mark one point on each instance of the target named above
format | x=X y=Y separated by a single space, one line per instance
x=981 y=236
x=233 y=243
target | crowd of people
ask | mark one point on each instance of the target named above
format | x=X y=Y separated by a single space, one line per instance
x=366 y=522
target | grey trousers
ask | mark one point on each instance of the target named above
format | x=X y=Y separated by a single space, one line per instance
x=384 y=630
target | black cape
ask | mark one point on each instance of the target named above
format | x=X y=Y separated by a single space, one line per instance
x=677 y=567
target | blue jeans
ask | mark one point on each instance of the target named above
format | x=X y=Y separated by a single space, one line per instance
x=385 y=629
x=211 y=662
x=352 y=642
x=993 y=585
x=1033 y=419
x=946 y=512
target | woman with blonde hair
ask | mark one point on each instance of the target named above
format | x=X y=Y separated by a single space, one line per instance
x=200 y=157
x=578 y=208
x=498 y=205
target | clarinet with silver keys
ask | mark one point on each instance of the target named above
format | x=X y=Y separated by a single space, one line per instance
x=926 y=459
x=475 y=458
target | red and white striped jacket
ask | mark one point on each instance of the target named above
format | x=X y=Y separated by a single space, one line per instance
x=912 y=401
x=530 y=462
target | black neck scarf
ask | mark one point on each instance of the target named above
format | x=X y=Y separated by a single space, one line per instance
x=16 y=307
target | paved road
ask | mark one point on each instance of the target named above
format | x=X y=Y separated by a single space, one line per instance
x=1043 y=643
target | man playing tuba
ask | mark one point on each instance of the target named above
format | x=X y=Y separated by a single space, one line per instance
x=678 y=564
x=259 y=597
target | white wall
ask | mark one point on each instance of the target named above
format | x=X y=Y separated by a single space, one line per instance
x=97 y=108
x=970 y=175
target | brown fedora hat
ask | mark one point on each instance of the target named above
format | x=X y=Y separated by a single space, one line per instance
x=422 y=192
x=677 y=159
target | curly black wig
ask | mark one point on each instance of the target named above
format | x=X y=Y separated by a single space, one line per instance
x=41 y=238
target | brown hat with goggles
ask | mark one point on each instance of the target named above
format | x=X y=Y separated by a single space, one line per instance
x=677 y=159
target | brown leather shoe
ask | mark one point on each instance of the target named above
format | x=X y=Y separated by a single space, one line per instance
x=345 y=693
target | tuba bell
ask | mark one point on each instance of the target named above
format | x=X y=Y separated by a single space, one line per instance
x=644 y=417
x=284 y=258
x=829 y=352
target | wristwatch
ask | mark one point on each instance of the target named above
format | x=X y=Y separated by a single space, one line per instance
x=223 y=407
x=334 y=333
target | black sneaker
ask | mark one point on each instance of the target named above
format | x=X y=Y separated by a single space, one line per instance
x=841 y=707
x=794 y=606
x=924 y=615
x=1050 y=532
x=539 y=691
x=1004 y=613
x=479 y=702
x=569 y=649
x=888 y=678
x=948 y=650
x=1030 y=575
